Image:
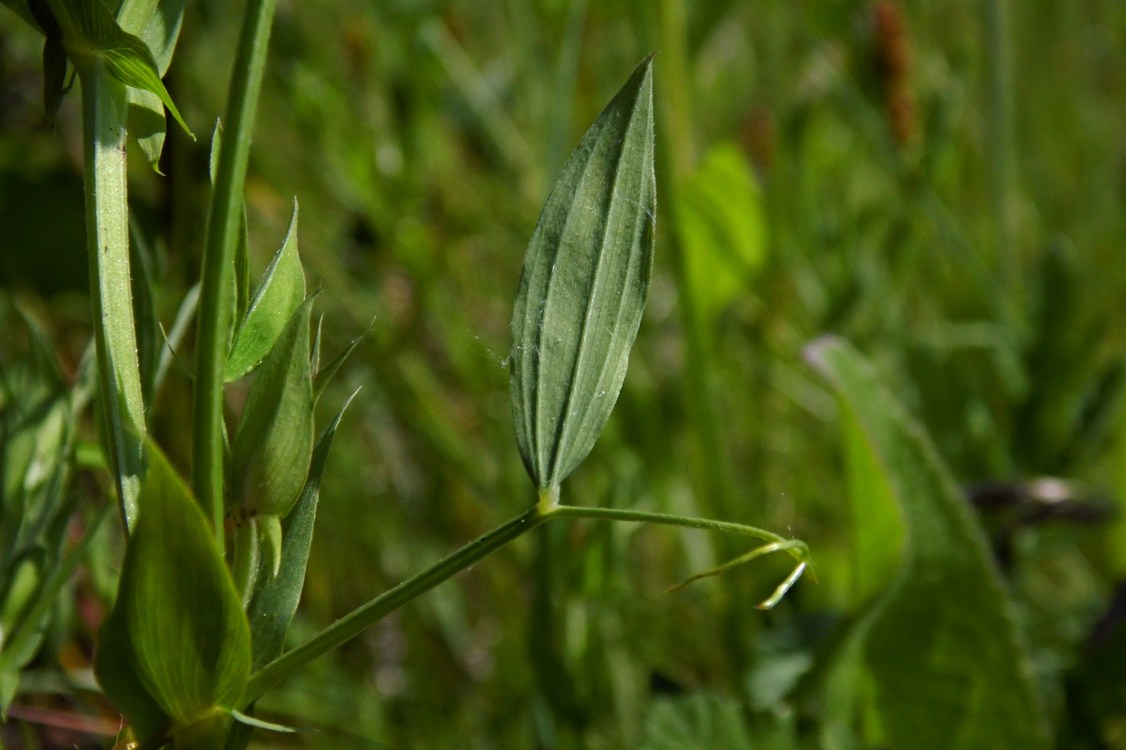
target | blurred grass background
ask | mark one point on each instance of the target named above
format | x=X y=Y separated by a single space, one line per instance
x=944 y=184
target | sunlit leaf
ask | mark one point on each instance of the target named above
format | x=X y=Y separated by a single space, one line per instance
x=120 y=682
x=279 y=293
x=941 y=647
x=584 y=286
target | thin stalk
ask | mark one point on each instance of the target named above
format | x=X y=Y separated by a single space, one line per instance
x=218 y=260
x=104 y=110
x=799 y=552
x=354 y=623
x=363 y=617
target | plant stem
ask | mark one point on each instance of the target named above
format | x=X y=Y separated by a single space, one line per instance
x=799 y=553
x=218 y=260
x=104 y=110
x=354 y=623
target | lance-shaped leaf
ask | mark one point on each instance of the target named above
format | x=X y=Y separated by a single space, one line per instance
x=177 y=639
x=584 y=286
x=279 y=293
x=947 y=664
x=274 y=440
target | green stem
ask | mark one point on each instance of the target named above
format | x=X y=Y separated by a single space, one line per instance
x=799 y=552
x=218 y=260
x=104 y=111
x=354 y=623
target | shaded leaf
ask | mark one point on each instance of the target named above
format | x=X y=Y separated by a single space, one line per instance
x=275 y=600
x=177 y=615
x=697 y=721
x=157 y=23
x=279 y=293
x=584 y=287
x=946 y=662
x=274 y=439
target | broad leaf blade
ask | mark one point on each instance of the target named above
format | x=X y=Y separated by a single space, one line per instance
x=584 y=286
x=279 y=293
x=185 y=631
x=121 y=683
x=946 y=661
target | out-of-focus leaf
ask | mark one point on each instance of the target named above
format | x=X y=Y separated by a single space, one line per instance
x=279 y=293
x=90 y=30
x=185 y=634
x=274 y=439
x=20 y=8
x=54 y=75
x=941 y=647
x=723 y=230
x=877 y=526
x=696 y=722
x=322 y=376
x=584 y=287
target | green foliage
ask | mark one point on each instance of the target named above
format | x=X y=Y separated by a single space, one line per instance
x=279 y=293
x=37 y=442
x=584 y=286
x=821 y=169
x=274 y=440
x=89 y=33
x=948 y=665
x=176 y=649
x=724 y=227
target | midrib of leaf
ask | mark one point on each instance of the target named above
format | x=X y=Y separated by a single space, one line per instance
x=611 y=209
